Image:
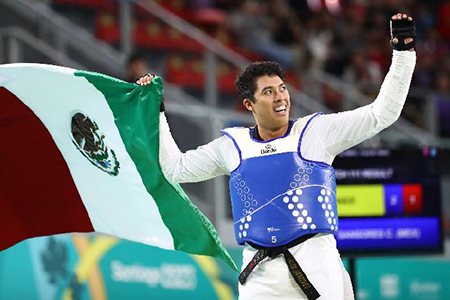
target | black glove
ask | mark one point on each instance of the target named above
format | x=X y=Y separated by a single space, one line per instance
x=403 y=29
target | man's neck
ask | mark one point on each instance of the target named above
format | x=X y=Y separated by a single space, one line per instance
x=263 y=134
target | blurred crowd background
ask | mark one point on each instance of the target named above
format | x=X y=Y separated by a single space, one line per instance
x=348 y=39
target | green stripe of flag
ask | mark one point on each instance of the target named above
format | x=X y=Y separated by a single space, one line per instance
x=136 y=112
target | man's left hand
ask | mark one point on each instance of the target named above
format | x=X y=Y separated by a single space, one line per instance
x=403 y=32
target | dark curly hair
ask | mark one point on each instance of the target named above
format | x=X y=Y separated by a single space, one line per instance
x=246 y=81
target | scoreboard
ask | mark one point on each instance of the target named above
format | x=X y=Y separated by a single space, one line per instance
x=389 y=202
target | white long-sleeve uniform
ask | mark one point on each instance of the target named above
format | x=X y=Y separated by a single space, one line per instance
x=326 y=136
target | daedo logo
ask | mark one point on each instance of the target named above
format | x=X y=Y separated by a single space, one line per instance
x=268 y=149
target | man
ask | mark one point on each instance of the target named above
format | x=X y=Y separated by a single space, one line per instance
x=282 y=184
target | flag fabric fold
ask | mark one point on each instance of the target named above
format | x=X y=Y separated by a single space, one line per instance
x=79 y=153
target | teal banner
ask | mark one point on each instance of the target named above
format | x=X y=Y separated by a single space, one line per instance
x=400 y=278
x=95 y=267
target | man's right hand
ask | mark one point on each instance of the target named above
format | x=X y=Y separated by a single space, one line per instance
x=145 y=79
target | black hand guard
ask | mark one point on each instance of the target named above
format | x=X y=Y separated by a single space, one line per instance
x=403 y=29
x=162 y=107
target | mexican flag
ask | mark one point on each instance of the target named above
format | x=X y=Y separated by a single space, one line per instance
x=79 y=153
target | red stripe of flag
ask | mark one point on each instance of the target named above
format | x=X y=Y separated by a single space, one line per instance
x=37 y=193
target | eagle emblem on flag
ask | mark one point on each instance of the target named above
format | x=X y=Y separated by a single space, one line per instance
x=91 y=144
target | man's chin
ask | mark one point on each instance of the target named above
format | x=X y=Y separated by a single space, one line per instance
x=280 y=122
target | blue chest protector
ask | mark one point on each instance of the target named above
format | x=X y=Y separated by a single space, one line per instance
x=277 y=195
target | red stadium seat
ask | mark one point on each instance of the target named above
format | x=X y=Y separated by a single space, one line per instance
x=107 y=27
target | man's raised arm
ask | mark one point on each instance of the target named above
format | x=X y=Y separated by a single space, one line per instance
x=340 y=131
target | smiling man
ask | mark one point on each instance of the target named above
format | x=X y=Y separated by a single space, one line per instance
x=282 y=184
x=264 y=81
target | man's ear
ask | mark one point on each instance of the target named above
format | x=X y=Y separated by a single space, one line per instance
x=248 y=104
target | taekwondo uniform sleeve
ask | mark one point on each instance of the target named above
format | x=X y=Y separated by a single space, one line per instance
x=216 y=158
x=331 y=134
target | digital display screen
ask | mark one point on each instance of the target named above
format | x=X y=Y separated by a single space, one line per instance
x=389 y=202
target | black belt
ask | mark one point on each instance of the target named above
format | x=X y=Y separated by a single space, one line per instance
x=293 y=266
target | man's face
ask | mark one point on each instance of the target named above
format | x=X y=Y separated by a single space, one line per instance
x=272 y=103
